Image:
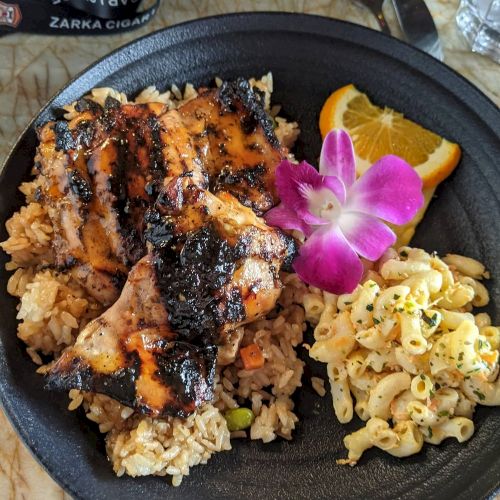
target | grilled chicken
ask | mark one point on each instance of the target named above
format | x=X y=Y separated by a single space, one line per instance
x=104 y=169
x=176 y=193
x=213 y=266
x=240 y=151
x=95 y=171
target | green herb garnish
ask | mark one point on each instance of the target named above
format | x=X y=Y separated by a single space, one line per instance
x=480 y=395
x=430 y=321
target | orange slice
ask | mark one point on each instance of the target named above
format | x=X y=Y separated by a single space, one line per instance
x=376 y=132
x=380 y=131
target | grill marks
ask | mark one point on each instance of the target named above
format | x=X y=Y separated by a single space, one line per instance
x=138 y=173
x=232 y=130
x=186 y=186
x=131 y=354
x=80 y=186
x=159 y=338
x=216 y=263
x=238 y=94
x=191 y=283
x=96 y=169
x=63 y=136
x=105 y=168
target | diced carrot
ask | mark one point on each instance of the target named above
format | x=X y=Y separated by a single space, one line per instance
x=490 y=357
x=252 y=357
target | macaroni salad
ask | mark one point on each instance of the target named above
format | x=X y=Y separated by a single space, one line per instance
x=405 y=352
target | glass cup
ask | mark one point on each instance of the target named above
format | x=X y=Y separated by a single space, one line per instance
x=479 y=21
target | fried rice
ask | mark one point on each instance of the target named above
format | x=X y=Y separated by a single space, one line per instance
x=53 y=308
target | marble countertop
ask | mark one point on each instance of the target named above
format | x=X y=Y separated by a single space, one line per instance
x=33 y=68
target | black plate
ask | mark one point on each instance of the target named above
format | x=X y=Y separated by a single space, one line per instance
x=309 y=57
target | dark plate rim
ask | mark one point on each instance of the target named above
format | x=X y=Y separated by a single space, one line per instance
x=295 y=15
x=478 y=98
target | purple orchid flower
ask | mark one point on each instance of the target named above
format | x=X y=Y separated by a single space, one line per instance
x=341 y=216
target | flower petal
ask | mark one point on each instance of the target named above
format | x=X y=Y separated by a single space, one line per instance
x=335 y=185
x=328 y=262
x=367 y=235
x=292 y=181
x=390 y=189
x=284 y=218
x=294 y=184
x=337 y=157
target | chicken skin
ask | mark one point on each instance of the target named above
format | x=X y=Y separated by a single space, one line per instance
x=213 y=266
x=171 y=199
x=104 y=169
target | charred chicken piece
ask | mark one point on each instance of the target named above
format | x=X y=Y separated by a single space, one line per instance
x=105 y=168
x=237 y=137
x=131 y=354
x=213 y=265
x=95 y=171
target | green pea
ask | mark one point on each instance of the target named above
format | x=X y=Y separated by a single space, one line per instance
x=239 y=418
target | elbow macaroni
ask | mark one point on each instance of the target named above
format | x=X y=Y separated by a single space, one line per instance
x=460 y=428
x=399 y=406
x=385 y=391
x=361 y=406
x=407 y=347
x=313 y=307
x=492 y=335
x=375 y=433
x=410 y=440
x=430 y=321
x=481 y=295
x=465 y=406
x=380 y=360
x=481 y=391
x=422 y=387
x=457 y=296
x=385 y=303
x=412 y=340
x=466 y=266
x=362 y=308
x=372 y=338
x=451 y=320
x=342 y=400
x=482 y=319
x=340 y=341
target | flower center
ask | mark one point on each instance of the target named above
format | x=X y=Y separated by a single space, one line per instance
x=324 y=204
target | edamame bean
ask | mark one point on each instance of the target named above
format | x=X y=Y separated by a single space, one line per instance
x=239 y=418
